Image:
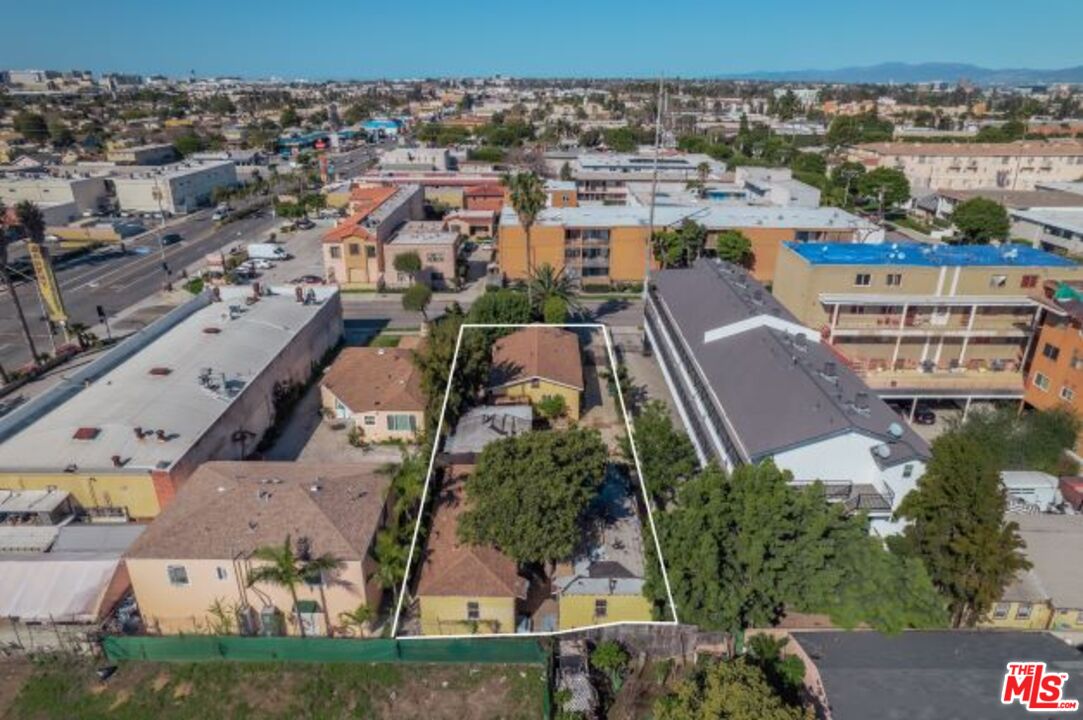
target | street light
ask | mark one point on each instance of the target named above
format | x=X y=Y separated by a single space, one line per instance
x=157 y=194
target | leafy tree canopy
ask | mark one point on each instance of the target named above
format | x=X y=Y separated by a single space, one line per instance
x=980 y=220
x=734 y=689
x=735 y=247
x=665 y=453
x=528 y=494
x=958 y=528
x=888 y=183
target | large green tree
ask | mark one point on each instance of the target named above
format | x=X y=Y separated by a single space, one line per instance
x=665 y=453
x=680 y=246
x=958 y=528
x=742 y=548
x=980 y=220
x=434 y=361
x=887 y=187
x=728 y=690
x=528 y=494
x=735 y=247
x=508 y=307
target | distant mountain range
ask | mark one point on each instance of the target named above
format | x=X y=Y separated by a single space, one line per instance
x=896 y=72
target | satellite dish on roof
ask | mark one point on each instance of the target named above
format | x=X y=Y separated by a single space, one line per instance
x=882 y=451
x=895 y=430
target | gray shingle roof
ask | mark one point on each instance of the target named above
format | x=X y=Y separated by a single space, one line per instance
x=773 y=389
x=936 y=675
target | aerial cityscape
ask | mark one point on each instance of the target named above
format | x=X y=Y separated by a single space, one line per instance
x=694 y=362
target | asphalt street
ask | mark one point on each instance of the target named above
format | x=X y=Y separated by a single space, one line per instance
x=117 y=280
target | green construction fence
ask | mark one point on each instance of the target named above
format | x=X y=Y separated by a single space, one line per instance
x=197 y=648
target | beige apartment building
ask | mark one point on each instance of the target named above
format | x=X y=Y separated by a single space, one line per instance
x=930 y=320
x=967 y=166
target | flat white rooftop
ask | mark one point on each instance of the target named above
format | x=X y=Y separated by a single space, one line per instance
x=712 y=216
x=162 y=387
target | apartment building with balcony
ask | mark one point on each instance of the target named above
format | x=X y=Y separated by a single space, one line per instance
x=751 y=383
x=924 y=321
x=968 y=166
x=1055 y=375
x=596 y=244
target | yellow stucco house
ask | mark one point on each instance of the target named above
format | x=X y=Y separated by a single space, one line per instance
x=538 y=362
x=1049 y=596
x=465 y=589
x=604 y=582
x=190 y=571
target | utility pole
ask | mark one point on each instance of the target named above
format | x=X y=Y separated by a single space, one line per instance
x=654 y=189
x=157 y=193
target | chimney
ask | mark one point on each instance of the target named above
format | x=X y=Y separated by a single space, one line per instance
x=861 y=401
x=830 y=370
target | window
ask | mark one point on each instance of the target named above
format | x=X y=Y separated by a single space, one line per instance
x=894 y=279
x=863 y=279
x=1067 y=393
x=400 y=423
x=1023 y=612
x=1028 y=281
x=601 y=608
x=1051 y=351
x=434 y=257
x=355 y=249
x=535 y=383
x=908 y=470
x=370 y=251
x=221 y=573
x=178 y=575
x=1041 y=382
x=1001 y=611
x=370 y=419
x=473 y=611
x=998 y=281
x=335 y=252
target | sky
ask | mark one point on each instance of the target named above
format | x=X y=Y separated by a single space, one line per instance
x=581 y=38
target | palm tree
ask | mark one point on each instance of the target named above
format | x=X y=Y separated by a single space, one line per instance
x=527 y=195
x=5 y=276
x=32 y=220
x=287 y=569
x=390 y=558
x=546 y=282
x=358 y=618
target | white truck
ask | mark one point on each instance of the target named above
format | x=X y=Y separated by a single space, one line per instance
x=267 y=251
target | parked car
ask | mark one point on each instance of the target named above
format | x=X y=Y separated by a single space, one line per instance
x=924 y=415
x=171 y=238
x=307 y=280
x=304 y=224
x=258 y=264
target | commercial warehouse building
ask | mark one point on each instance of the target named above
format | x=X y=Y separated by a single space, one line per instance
x=176 y=189
x=924 y=321
x=751 y=383
x=203 y=383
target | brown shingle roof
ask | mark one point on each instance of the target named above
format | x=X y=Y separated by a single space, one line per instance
x=453 y=568
x=227 y=509
x=367 y=379
x=538 y=352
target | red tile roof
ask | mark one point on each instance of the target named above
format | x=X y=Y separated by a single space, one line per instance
x=363 y=201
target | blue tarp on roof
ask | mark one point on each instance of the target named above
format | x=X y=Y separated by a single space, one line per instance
x=922 y=254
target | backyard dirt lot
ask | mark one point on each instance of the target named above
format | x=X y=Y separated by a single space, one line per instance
x=69 y=688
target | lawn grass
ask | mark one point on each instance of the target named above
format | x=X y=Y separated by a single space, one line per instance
x=385 y=341
x=65 y=687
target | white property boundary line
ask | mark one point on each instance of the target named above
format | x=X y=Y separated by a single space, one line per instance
x=428 y=481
